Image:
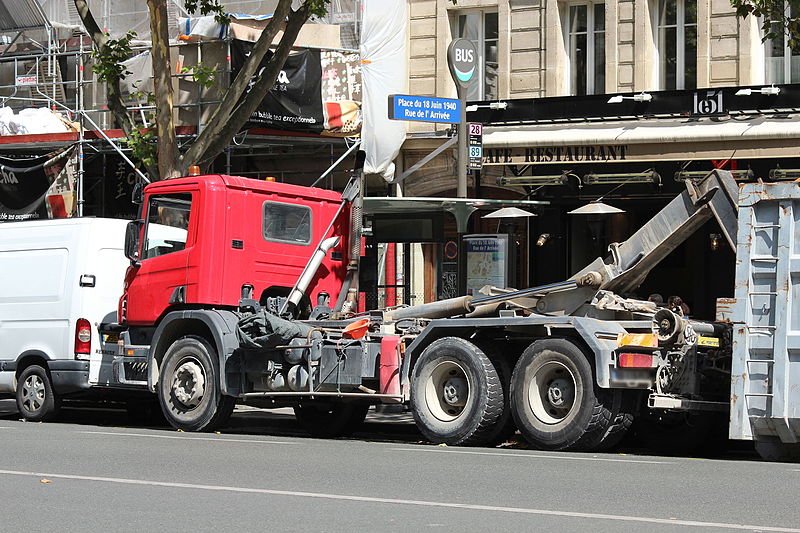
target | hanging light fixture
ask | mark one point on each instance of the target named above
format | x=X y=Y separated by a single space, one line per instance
x=596 y=207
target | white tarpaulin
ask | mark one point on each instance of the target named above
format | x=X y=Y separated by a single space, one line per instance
x=384 y=33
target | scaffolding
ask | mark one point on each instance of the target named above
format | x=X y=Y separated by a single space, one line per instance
x=45 y=64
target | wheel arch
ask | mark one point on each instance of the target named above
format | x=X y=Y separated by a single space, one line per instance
x=217 y=327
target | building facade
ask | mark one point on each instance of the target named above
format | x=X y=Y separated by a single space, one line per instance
x=620 y=100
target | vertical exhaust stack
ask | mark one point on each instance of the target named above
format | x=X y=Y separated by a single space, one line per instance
x=309 y=272
x=348 y=296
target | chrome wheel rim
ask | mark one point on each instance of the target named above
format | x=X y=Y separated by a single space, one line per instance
x=33 y=393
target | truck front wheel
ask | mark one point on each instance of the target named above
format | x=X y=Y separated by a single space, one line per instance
x=189 y=390
x=36 y=400
x=556 y=403
x=456 y=394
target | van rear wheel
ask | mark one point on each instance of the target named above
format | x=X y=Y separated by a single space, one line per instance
x=36 y=399
x=189 y=390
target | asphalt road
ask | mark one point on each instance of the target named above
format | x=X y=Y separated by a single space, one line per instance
x=90 y=472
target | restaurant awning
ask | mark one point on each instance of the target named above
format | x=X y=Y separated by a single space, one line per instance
x=646 y=139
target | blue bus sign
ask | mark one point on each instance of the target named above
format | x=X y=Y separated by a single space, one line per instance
x=424 y=109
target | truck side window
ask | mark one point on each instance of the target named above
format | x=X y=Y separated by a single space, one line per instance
x=167 y=224
x=287 y=223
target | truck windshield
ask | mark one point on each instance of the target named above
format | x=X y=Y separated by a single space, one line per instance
x=167 y=224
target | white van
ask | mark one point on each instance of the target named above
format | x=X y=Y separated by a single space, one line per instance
x=59 y=280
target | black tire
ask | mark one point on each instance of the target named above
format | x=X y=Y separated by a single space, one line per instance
x=447 y=370
x=556 y=402
x=499 y=354
x=622 y=406
x=188 y=388
x=331 y=420
x=36 y=399
x=780 y=452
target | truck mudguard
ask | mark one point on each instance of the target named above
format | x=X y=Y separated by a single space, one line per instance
x=599 y=335
x=220 y=324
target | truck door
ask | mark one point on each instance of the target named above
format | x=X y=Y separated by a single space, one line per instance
x=162 y=276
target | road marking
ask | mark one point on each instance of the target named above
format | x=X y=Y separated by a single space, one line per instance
x=212 y=439
x=534 y=455
x=395 y=501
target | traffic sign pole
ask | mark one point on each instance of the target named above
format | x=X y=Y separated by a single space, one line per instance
x=462 y=58
x=461 y=184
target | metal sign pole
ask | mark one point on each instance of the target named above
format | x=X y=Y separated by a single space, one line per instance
x=461 y=184
x=462 y=59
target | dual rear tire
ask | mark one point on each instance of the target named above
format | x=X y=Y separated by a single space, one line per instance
x=458 y=397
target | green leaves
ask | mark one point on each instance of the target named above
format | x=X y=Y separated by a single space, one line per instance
x=208 y=7
x=142 y=145
x=202 y=75
x=778 y=18
x=109 y=57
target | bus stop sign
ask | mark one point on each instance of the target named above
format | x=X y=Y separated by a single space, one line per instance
x=462 y=58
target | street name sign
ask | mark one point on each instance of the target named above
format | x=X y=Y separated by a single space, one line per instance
x=424 y=109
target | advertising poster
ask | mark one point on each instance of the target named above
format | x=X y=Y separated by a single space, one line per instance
x=38 y=187
x=487 y=261
x=295 y=101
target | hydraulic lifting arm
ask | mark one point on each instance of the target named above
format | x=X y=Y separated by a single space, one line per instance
x=626 y=268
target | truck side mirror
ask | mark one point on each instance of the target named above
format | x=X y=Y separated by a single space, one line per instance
x=132 y=240
x=137 y=196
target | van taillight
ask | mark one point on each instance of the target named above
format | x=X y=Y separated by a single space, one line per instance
x=83 y=337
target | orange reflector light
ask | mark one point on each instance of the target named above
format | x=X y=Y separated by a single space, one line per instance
x=635 y=360
x=647 y=340
x=269 y=178
x=194 y=170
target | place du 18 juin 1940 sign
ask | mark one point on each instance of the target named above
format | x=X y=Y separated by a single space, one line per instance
x=424 y=109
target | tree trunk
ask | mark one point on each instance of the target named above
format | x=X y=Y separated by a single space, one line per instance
x=162 y=84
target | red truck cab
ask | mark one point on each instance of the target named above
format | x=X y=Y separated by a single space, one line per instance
x=201 y=238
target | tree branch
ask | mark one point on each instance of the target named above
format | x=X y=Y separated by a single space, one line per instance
x=113 y=91
x=220 y=118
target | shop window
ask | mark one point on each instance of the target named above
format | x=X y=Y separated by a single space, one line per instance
x=480 y=27
x=587 y=52
x=677 y=44
x=782 y=61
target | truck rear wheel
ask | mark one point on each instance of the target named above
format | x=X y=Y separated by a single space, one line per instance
x=556 y=402
x=189 y=390
x=36 y=399
x=456 y=394
x=327 y=421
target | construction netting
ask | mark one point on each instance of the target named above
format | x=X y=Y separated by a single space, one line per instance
x=120 y=16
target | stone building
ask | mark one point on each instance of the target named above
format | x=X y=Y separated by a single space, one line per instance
x=620 y=100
